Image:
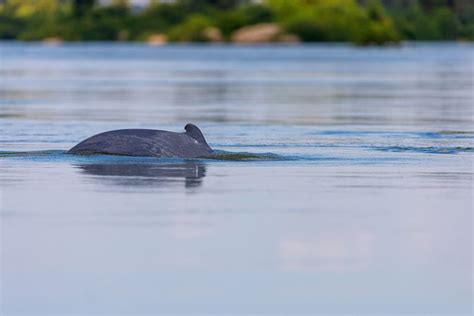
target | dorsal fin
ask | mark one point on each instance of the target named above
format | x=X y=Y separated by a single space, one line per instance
x=194 y=132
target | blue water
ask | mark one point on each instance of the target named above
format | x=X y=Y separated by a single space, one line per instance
x=351 y=191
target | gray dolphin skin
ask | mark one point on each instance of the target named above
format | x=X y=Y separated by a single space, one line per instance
x=147 y=143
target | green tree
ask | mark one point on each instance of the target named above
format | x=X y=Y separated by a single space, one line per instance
x=156 y=18
x=82 y=7
x=191 y=30
x=379 y=28
x=447 y=23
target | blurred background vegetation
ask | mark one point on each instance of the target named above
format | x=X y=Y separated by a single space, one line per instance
x=157 y=22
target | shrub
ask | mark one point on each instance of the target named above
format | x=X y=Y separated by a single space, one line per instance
x=10 y=27
x=447 y=24
x=191 y=30
x=467 y=32
x=340 y=20
x=438 y=24
x=228 y=21
x=156 y=18
x=257 y=13
x=379 y=27
x=414 y=24
x=104 y=23
x=41 y=26
x=307 y=26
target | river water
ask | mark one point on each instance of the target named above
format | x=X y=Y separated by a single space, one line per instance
x=359 y=200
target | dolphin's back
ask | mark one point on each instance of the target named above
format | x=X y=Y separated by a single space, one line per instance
x=144 y=143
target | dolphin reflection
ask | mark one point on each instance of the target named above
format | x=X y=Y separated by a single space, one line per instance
x=146 y=174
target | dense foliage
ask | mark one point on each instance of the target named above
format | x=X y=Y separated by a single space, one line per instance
x=364 y=22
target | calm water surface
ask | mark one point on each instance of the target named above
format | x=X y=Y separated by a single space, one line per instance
x=361 y=202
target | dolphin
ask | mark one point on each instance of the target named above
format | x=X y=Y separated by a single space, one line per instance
x=147 y=143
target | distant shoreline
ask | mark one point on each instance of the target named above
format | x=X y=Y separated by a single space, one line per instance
x=241 y=45
x=371 y=22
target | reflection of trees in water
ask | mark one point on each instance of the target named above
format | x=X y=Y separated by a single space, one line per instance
x=148 y=174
